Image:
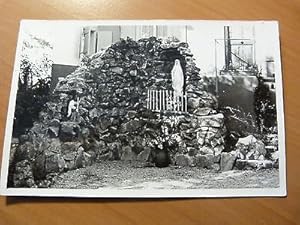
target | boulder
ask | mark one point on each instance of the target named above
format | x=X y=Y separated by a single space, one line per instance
x=204 y=161
x=23 y=176
x=218 y=149
x=13 y=148
x=24 y=151
x=115 y=150
x=215 y=121
x=72 y=154
x=54 y=123
x=183 y=160
x=204 y=111
x=191 y=151
x=128 y=154
x=193 y=103
x=131 y=126
x=162 y=158
x=69 y=131
x=53 y=132
x=227 y=160
x=275 y=156
x=250 y=148
x=105 y=122
x=24 y=138
x=206 y=150
x=54 y=163
x=88 y=158
x=117 y=70
x=144 y=155
x=243 y=164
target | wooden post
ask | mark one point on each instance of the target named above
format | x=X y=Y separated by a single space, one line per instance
x=163 y=99
x=160 y=103
x=150 y=99
x=185 y=98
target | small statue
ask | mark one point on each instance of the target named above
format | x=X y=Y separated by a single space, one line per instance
x=177 y=78
x=73 y=106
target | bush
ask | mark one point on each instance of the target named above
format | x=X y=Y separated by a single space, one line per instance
x=31 y=98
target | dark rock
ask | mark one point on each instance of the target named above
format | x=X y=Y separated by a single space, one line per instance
x=115 y=149
x=105 y=123
x=23 y=176
x=23 y=138
x=192 y=151
x=69 y=131
x=131 y=126
x=54 y=163
x=13 y=148
x=25 y=151
x=162 y=159
x=79 y=158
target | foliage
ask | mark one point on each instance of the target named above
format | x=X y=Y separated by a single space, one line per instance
x=34 y=82
x=265 y=109
x=238 y=124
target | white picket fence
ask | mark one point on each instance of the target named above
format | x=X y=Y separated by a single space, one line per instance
x=166 y=100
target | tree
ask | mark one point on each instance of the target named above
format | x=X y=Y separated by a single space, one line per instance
x=34 y=82
x=265 y=109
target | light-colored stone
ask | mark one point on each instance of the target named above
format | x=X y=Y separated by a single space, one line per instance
x=227 y=160
x=183 y=160
x=128 y=154
x=204 y=161
x=253 y=164
x=144 y=155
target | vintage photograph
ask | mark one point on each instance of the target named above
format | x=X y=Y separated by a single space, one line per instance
x=146 y=109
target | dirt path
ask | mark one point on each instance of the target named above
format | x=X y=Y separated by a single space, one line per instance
x=122 y=175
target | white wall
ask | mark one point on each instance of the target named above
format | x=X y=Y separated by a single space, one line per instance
x=201 y=38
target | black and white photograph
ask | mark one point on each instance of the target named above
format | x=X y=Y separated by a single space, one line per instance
x=145 y=108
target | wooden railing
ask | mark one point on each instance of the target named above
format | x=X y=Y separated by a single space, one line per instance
x=166 y=100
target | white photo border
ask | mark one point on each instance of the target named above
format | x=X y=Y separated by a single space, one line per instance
x=145 y=193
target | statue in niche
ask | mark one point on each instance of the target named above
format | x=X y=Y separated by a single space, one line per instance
x=177 y=78
x=73 y=107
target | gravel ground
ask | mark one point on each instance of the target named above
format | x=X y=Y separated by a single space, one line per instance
x=123 y=175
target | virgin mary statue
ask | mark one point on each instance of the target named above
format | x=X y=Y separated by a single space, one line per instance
x=177 y=78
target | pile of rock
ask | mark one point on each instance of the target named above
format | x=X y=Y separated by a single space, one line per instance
x=249 y=153
x=112 y=122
